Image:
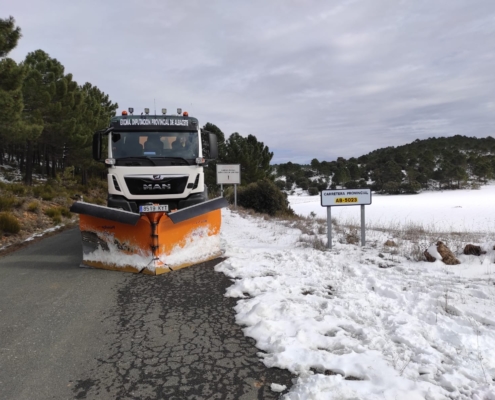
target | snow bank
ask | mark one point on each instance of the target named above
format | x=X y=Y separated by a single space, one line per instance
x=352 y=330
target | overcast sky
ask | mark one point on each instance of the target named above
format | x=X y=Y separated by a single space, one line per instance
x=310 y=79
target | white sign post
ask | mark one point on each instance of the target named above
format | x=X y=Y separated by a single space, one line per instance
x=229 y=174
x=345 y=197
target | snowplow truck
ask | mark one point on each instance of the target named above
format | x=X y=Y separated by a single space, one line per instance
x=158 y=217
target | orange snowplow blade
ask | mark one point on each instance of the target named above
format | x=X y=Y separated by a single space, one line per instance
x=155 y=244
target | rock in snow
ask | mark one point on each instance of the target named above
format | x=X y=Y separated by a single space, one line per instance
x=441 y=252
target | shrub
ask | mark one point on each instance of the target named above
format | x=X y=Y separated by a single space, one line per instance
x=321 y=185
x=362 y=184
x=280 y=184
x=68 y=177
x=314 y=242
x=313 y=191
x=303 y=183
x=19 y=201
x=263 y=197
x=52 y=182
x=9 y=223
x=18 y=189
x=33 y=206
x=391 y=187
x=47 y=195
x=45 y=192
x=65 y=212
x=352 y=237
x=53 y=212
x=96 y=183
x=351 y=185
x=411 y=187
x=56 y=213
x=37 y=190
x=6 y=203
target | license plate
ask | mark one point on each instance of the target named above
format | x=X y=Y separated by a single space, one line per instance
x=148 y=209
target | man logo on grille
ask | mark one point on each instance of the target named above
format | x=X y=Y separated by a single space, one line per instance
x=156 y=186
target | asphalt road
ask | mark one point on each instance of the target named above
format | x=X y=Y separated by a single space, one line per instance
x=76 y=333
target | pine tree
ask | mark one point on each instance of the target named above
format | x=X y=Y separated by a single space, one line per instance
x=44 y=88
x=11 y=77
x=93 y=114
x=253 y=156
x=9 y=36
x=315 y=164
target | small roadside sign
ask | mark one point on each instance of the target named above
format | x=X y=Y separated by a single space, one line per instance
x=228 y=174
x=345 y=197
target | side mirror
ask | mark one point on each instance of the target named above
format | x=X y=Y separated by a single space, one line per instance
x=97 y=146
x=212 y=138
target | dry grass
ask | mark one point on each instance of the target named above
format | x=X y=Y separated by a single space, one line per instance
x=33 y=206
x=352 y=237
x=314 y=242
x=393 y=239
x=9 y=223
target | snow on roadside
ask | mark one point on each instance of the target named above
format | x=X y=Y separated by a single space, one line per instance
x=350 y=329
x=36 y=235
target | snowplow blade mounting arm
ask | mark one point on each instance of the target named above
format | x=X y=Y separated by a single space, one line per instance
x=111 y=214
x=197 y=210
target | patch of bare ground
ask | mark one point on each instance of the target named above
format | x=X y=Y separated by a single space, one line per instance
x=42 y=209
x=35 y=224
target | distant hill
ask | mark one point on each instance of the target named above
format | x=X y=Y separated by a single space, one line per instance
x=434 y=163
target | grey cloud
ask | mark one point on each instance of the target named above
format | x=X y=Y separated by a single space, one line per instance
x=308 y=78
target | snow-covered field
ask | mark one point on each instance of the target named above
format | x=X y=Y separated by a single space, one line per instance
x=459 y=210
x=369 y=323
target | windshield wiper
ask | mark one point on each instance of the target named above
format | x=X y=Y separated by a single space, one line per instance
x=137 y=158
x=177 y=158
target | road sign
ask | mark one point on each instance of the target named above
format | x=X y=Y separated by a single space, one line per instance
x=345 y=197
x=228 y=174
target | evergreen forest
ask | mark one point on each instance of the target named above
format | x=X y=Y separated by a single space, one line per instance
x=46 y=118
x=434 y=163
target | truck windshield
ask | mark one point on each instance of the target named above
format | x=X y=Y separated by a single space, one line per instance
x=155 y=144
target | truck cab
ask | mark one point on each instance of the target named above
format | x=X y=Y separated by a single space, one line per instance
x=154 y=159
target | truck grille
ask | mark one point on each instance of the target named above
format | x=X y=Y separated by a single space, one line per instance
x=148 y=185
